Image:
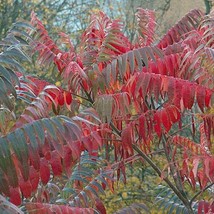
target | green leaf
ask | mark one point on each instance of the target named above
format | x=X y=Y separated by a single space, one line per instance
x=124 y=63
x=47 y=124
x=85 y=198
x=58 y=123
x=89 y=188
x=138 y=58
x=61 y=201
x=9 y=87
x=4 y=187
x=39 y=131
x=6 y=163
x=77 y=177
x=4 y=98
x=69 y=190
x=19 y=145
x=131 y=61
x=30 y=132
x=73 y=127
x=16 y=52
x=20 y=40
x=95 y=183
x=5 y=156
x=23 y=24
x=27 y=93
x=144 y=56
x=21 y=32
x=10 y=61
x=114 y=69
x=101 y=178
x=4 y=72
x=77 y=118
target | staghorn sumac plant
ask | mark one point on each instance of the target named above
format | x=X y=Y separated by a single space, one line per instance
x=118 y=102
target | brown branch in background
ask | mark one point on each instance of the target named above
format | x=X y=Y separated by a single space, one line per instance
x=198 y=193
x=184 y=200
x=164 y=8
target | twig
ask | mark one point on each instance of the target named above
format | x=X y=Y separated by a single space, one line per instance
x=84 y=98
x=198 y=193
x=158 y=171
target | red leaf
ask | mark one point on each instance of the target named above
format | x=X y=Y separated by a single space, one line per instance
x=88 y=144
x=195 y=166
x=145 y=83
x=156 y=86
x=100 y=207
x=67 y=97
x=67 y=160
x=97 y=138
x=56 y=163
x=192 y=178
x=127 y=139
x=4 y=186
x=157 y=124
x=25 y=187
x=188 y=95
x=201 y=97
x=165 y=120
x=153 y=67
x=178 y=93
x=34 y=157
x=173 y=113
x=61 y=99
x=165 y=83
x=185 y=167
x=76 y=147
x=34 y=178
x=51 y=93
x=171 y=90
x=208 y=98
x=46 y=150
x=205 y=207
x=211 y=172
x=44 y=208
x=44 y=171
x=15 y=196
x=207 y=164
x=200 y=207
x=202 y=179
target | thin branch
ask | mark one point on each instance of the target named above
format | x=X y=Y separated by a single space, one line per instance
x=115 y=129
x=189 y=124
x=84 y=98
x=158 y=171
x=198 y=193
x=172 y=165
x=87 y=94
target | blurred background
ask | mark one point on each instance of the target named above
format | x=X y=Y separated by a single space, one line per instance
x=72 y=16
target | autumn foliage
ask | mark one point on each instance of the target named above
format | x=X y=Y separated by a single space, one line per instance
x=119 y=102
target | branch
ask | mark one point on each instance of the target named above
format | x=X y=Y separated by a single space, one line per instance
x=198 y=193
x=87 y=94
x=115 y=129
x=158 y=171
x=165 y=8
x=173 y=168
x=84 y=98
